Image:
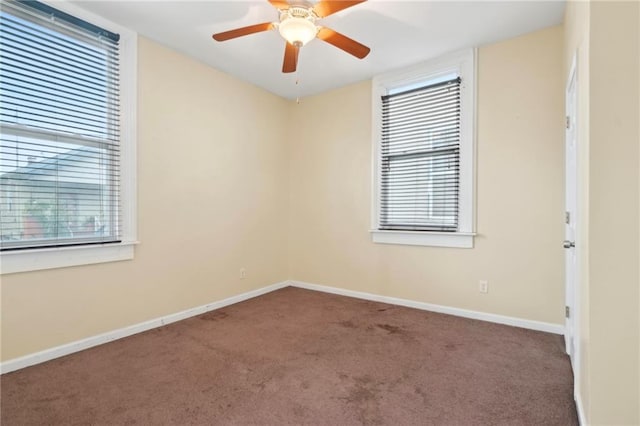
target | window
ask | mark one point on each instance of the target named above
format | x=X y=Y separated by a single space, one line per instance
x=66 y=139
x=423 y=145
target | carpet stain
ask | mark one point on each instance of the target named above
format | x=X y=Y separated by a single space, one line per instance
x=262 y=385
x=392 y=329
x=214 y=316
x=418 y=390
x=348 y=324
x=299 y=411
x=364 y=390
x=364 y=396
x=50 y=399
x=361 y=394
x=363 y=380
x=117 y=411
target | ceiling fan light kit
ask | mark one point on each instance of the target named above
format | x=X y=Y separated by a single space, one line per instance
x=298 y=27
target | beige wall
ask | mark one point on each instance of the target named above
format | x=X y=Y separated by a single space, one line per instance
x=614 y=276
x=212 y=184
x=219 y=205
x=607 y=38
x=520 y=194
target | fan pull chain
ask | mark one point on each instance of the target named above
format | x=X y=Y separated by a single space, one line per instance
x=297 y=87
x=297 y=92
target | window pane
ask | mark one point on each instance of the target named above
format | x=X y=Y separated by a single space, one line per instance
x=420 y=192
x=59 y=130
x=420 y=151
x=56 y=191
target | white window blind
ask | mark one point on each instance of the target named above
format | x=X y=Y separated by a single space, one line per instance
x=59 y=129
x=420 y=158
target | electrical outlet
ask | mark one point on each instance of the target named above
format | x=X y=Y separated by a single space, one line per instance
x=483 y=286
x=243 y=273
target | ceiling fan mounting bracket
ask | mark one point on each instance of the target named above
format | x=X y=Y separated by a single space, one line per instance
x=301 y=3
x=300 y=12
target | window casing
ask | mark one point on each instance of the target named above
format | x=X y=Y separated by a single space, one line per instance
x=68 y=138
x=423 y=130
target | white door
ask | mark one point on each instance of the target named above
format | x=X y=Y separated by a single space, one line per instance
x=571 y=215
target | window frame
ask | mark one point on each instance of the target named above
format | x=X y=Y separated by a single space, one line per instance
x=34 y=259
x=464 y=64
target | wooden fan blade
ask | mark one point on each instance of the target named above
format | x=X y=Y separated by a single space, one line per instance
x=239 y=32
x=280 y=4
x=343 y=42
x=290 y=58
x=328 y=7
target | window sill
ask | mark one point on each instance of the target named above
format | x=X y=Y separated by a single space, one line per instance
x=430 y=239
x=33 y=260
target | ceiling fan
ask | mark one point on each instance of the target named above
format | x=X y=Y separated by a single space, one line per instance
x=298 y=26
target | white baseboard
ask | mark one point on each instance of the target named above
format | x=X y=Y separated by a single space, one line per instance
x=582 y=420
x=89 y=342
x=79 y=345
x=483 y=316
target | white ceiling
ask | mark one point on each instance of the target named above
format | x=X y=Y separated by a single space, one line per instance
x=399 y=33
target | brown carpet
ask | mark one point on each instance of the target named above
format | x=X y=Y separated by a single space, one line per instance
x=301 y=357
